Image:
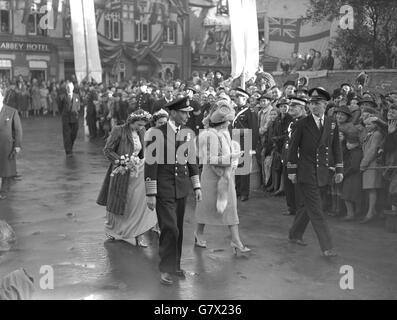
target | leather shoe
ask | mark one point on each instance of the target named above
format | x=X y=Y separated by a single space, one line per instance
x=166 y=279
x=180 y=274
x=329 y=253
x=299 y=242
x=244 y=198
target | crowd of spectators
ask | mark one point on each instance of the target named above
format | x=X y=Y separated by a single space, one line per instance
x=367 y=123
x=313 y=61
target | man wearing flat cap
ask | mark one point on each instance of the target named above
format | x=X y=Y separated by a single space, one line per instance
x=168 y=180
x=245 y=119
x=314 y=148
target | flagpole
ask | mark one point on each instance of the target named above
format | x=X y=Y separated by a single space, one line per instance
x=242 y=79
x=85 y=41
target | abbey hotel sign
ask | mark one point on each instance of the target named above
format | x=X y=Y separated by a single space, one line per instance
x=24 y=46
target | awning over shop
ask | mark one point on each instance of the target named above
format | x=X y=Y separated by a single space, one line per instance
x=5 y=64
x=38 y=64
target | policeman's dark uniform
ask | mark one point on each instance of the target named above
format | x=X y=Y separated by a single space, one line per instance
x=246 y=118
x=289 y=187
x=91 y=116
x=311 y=152
x=144 y=101
x=170 y=182
x=195 y=121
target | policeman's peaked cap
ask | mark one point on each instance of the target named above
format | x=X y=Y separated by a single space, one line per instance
x=319 y=93
x=181 y=104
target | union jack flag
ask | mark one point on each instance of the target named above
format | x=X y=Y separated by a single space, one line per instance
x=281 y=29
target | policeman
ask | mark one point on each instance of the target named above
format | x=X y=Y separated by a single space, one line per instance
x=313 y=149
x=246 y=118
x=144 y=100
x=167 y=182
x=297 y=111
x=195 y=121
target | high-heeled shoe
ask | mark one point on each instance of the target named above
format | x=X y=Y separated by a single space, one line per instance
x=237 y=248
x=199 y=243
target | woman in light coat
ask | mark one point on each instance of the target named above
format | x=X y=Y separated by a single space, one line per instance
x=219 y=155
x=372 y=177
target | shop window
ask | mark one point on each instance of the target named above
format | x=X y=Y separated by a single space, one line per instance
x=113 y=26
x=34 y=25
x=169 y=34
x=5 y=74
x=5 y=19
x=121 y=71
x=142 y=32
x=39 y=74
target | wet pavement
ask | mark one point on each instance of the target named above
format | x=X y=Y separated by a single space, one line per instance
x=58 y=223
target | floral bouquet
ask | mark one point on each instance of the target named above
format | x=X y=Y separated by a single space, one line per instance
x=127 y=164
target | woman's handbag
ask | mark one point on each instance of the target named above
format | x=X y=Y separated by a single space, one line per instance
x=118 y=187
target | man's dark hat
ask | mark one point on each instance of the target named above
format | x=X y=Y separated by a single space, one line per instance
x=191 y=89
x=289 y=83
x=319 y=93
x=282 y=101
x=344 y=109
x=182 y=104
x=242 y=92
x=302 y=89
x=368 y=100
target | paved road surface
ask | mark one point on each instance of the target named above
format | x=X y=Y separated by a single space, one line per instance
x=88 y=267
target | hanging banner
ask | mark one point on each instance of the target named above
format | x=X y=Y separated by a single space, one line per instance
x=85 y=42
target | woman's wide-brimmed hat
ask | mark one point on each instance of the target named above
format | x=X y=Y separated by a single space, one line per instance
x=139 y=115
x=223 y=111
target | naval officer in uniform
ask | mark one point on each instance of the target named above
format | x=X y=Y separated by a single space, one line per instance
x=313 y=149
x=168 y=181
x=246 y=118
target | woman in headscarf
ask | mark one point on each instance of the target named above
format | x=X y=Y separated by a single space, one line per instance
x=127 y=216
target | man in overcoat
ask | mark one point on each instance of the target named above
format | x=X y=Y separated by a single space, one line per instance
x=167 y=180
x=314 y=148
x=69 y=108
x=10 y=144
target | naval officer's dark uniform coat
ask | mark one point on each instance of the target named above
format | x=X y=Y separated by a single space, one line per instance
x=145 y=102
x=311 y=153
x=170 y=182
x=290 y=188
x=246 y=118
